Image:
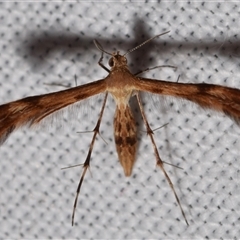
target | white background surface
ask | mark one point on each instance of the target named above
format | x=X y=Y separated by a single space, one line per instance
x=51 y=42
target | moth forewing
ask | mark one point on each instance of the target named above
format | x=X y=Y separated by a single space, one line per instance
x=32 y=110
x=215 y=97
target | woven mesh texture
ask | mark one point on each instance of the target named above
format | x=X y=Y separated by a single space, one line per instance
x=46 y=43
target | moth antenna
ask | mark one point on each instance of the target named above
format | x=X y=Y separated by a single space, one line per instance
x=148 y=40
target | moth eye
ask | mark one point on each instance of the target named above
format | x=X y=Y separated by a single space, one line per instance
x=110 y=62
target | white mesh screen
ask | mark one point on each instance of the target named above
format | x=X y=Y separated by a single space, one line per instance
x=43 y=43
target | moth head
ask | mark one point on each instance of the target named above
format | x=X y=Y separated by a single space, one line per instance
x=117 y=60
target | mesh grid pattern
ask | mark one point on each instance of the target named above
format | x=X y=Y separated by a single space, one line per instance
x=51 y=43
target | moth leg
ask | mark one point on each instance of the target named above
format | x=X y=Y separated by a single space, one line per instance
x=158 y=159
x=86 y=164
x=151 y=68
x=98 y=45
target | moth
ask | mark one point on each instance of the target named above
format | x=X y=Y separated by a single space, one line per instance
x=122 y=85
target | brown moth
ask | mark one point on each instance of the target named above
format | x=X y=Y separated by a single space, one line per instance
x=122 y=85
